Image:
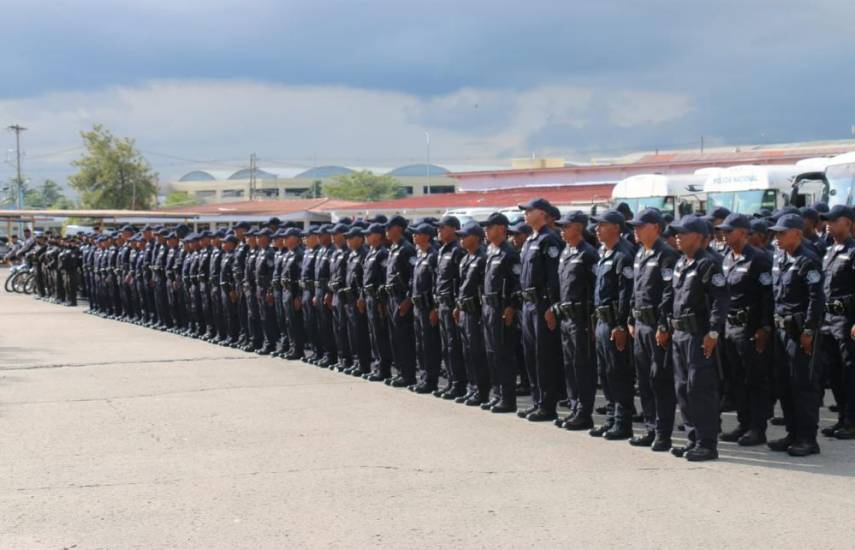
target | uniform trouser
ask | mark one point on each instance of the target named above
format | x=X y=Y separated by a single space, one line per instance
x=230 y=314
x=474 y=353
x=162 y=302
x=616 y=369
x=655 y=380
x=40 y=281
x=217 y=317
x=837 y=351
x=339 y=320
x=150 y=306
x=199 y=325
x=749 y=376
x=381 y=352
x=243 y=313
x=358 y=337
x=177 y=304
x=142 y=292
x=500 y=343
x=296 y=327
x=125 y=295
x=580 y=373
x=696 y=382
x=310 y=321
x=402 y=338
x=267 y=317
x=71 y=287
x=281 y=319
x=254 y=334
x=428 y=355
x=452 y=353
x=207 y=310
x=326 y=334
x=542 y=350
x=60 y=285
x=799 y=385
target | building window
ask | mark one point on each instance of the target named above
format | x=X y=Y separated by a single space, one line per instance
x=205 y=195
x=295 y=191
x=438 y=189
x=232 y=193
x=408 y=189
x=269 y=193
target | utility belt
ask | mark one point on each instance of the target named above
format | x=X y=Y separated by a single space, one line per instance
x=469 y=304
x=377 y=292
x=531 y=295
x=646 y=315
x=791 y=324
x=422 y=301
x=308 y=285
x=345 y=293
x=446 y=299
x=739 y=317
x=606 y=314
x=323 y=284
x=841 y=306
x=572 y=310
x=688 y=323
x=495 y=300
x=392 y=289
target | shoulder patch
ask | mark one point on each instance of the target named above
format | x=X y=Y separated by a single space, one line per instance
x=765 y=278
x=667 y=274
x=412 y=260
x=517 y=269
x=813 y=277
x=553 y=251
x=717 y=279
x=627 y=272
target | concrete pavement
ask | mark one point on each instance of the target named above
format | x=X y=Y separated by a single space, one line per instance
x=117 y=436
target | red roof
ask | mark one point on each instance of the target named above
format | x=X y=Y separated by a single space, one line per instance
x=564 y=194
x=262 y=207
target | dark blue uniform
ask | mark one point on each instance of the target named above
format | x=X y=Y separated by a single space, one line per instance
x=359 y=341
x=307 y=284
x=373 y=291
x=471 y=333
x=399 y=272
x=445 y=294
x=292 y=264
x=501 y=288
x=338 y=275
x=428 y=348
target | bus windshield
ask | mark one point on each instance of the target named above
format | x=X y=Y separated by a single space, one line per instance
x=841 y=184
x=664 y=204
x=743 y=202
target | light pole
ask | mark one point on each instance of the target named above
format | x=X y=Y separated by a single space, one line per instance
x=19 y=195
x=427 y=157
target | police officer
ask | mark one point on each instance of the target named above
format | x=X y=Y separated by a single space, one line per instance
x=837 y=335
x=228 y=292
x=499 y=312
x=746 y=346
x=428 y=356
x=576 y=275
x=650 y=307
x=371 y=301
x=467 y=315
x=278 y=304
x=539 y=291
x=351 y=294
x=255 y=333
x=699 y=310
x=264 y=292
x=334 y=301
x=322 y=300
x=215 y=262
x=398 y=286
x=612 y=292
x=292 y=298
x=445 y=295
x=241 y=252
x=307 y=284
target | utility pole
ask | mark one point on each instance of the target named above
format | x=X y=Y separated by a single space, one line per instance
x=427 y=164
x=19 y=191
x=252 y=182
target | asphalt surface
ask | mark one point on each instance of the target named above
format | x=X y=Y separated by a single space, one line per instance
x=117 y=436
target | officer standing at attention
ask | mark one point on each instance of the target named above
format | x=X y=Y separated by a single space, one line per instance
x=307 y=284
x=576 y=276
x=239 y=269
x=359 y=340
x=228 y=293
x=700 y=307
x=747 y=335
x=338 y=274
x=612 y=292
x=499 y=309
x=798 y=291
x=467 y=315
x=322 y=304
x=292 y=293
x=255 y=334
x=650 y=306
x=428 y=347
x=837 y=340
x=445 y=294
x=371 y=302
x=539 y=290
x=264 y=292
x=399 y=272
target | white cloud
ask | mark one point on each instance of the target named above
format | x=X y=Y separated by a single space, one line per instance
x=229 y=119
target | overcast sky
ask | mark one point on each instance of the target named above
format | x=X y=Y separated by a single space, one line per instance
x=359 y=82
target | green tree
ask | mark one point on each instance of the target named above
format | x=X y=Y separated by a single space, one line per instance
x=112 y=173
x=363 y=186
x=180 y=198
x=48 y=195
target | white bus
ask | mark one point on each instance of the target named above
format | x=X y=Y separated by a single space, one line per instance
x=748 y=188
x=840 y=174
x=677 y=194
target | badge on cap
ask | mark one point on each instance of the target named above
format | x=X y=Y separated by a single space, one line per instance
x=813 y=277
x=765 y=278
x=717 y=279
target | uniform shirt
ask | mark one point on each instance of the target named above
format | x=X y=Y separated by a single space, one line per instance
x=353 y=276
x=227 y=267
x=448 y=269
x=204 y=268
x=502 y=272
x=148 y=258
x=171 y=258
x=322 y=266
x=700 y=289
x=816 y=244
x=399 y=267
x=215 y=262
x=653 y=272
x=249 y=268
x=424 y=275
x=241 y=252
x=613 y=285
x=292 y=266
x=307 y=269
x=472 y=274
x=577 y=273
x=539 y=264
x=338 y=267
x=797 y=281
x=264 y=268
x=749 y=284
x=374 y=267
x=839 y=281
